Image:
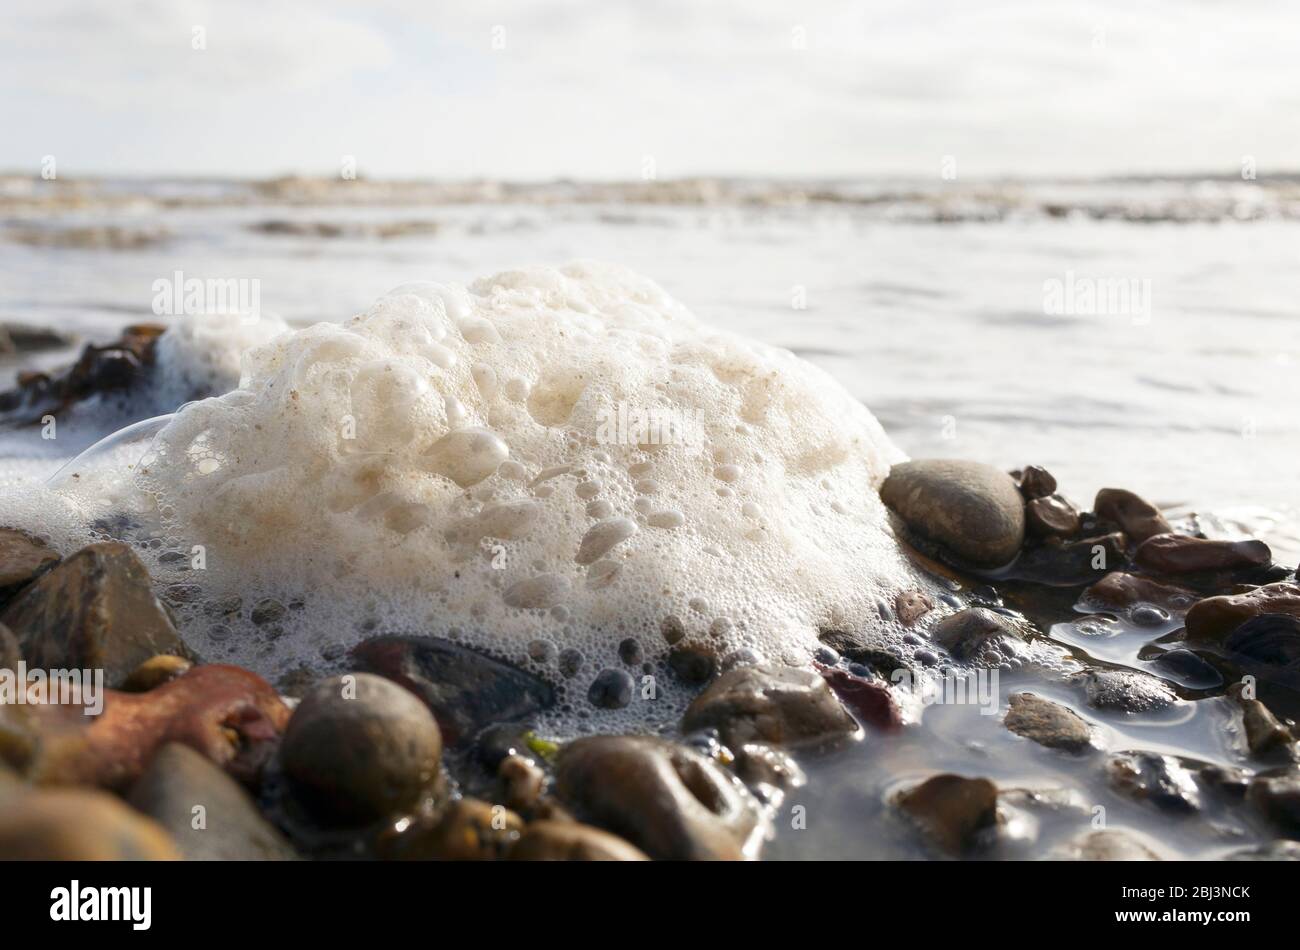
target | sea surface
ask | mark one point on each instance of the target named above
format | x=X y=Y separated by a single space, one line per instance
x=1143 y=334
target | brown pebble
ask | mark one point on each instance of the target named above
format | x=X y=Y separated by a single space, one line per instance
x=1051 y=515
x=1138 y=518
x=1182 y=554
x=911 y=606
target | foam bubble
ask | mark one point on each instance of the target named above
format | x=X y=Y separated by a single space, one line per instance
x=474 y=463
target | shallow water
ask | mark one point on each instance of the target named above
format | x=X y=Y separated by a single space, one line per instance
x=939 y=327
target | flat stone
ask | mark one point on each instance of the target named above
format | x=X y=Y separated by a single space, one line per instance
x=974 y=511
x=95 y=610
x=1047 y=723
x=670 y=801
x=209 y=816
x=1182 y=554
x=571 y=841
x=465 y=689
x=779 y=705
x=1137 y=517
x=952 y=809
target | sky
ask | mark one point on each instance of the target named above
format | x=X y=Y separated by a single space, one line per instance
x=600 y=88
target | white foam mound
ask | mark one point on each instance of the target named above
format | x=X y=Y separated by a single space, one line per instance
x=548 y=460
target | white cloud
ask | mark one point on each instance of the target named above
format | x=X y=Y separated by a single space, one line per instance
x=588 y=87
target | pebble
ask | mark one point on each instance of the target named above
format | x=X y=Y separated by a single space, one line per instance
x=571 y=841
x=23 y=559
x=465 y=689
x=952 y=810
x=779 y=705
x=1051 y=516
x=95 y=610
x=911 y=605
x=611 y=689
x=1110 y=845
x=1137 y=517
x=1215 y=617
x=668 y=800
x=1264 y=733
x=209 y=816
x=79 y=825
x=692 y=665
x=360 y=748
x=1126 y=691
x=1182 y=554
x=1187 y=669
x=965 y=633
x=1035 y=482
x=1047 y=723
x=229 y=715
x=1120 y=590
x=973 y=510
x=868 y=698
x=154 y=672
x=1159 y=779
x=468 y=829
x=1270 y=643
x=1277 y=797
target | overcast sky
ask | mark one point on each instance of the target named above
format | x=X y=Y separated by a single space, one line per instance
x=589 y=88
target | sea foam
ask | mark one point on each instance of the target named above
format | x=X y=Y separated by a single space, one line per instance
x=546 y=463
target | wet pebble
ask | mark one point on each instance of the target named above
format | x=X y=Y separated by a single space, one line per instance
x=668 y=800
x=1277 y=797
x=951 y=809
x=1047 y=723
x=1137 y=517
x=965 y=633
x=779 y=705
x=1182 y=554
x=465 y=689
x=360 y=748
x=23 y=559
x=95 y=610
x=1120 y=590
x=611 y=689
x=973 y=510
x=1158 y=779
x=1109 y=845
x=1214 y=618
x=1126 y=691
x=1051 y=516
